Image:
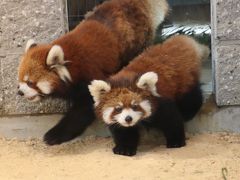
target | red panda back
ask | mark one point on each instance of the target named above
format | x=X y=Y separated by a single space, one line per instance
x=177 y=62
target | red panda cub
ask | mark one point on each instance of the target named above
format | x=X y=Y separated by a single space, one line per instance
x=111 y=35
x=159 y=88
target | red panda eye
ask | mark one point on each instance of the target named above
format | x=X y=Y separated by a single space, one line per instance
x=118 y=109
x=30 y=84
x=135 y=107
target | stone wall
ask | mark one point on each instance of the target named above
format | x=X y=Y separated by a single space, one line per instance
x=226 y=50
x=21 y=20
x=46 y=20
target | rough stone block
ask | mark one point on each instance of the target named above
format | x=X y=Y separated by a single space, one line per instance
x=1 y=91
x=20 y=21
x=13 y=104
x=3 y=44
x=228 y=19
x=23 y=20
x=228 y=74
x=27 y=127
x=3 y=38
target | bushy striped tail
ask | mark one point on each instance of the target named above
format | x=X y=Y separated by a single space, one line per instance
x=204 y=52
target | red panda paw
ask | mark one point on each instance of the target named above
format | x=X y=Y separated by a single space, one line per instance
x=57 y=136
x=176 y=144
x=125 y=151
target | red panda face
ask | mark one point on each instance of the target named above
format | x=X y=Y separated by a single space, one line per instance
x=39 y=71
x=120 y=105
x=125 y=114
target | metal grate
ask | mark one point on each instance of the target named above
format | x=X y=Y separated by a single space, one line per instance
x=78 y=8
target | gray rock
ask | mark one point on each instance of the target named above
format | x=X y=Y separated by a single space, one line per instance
x=13 y=104
x=225 y=51
x=1 y=91
x=227 y=19
x=22 y=20
x=228 y=74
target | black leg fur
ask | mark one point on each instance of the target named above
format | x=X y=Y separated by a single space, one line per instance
x=74 y=123
x=70 y=126
x=190 y=103
x=126 y=140
x=170 y=121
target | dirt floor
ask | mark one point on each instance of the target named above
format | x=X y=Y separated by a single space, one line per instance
x=206 y=156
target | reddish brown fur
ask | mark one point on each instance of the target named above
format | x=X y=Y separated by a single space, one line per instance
x=136 y=31
x=36 y=59
x=176 y=62
x=125 y=95
x=113 y=31
x=122 y=95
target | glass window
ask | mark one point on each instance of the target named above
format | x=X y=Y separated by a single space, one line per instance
x=191 y=18
x=78 y=8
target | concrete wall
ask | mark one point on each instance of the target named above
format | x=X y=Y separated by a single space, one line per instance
x=226 y=50
x=21 y=20
x=210 y=119
x=45 y=20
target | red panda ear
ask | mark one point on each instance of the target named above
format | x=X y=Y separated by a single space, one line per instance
x=55 y=56
x=31 y=43
x=98 y=88
x=55 y=60
x=148 y=82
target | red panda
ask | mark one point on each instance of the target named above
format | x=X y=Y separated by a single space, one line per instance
x=149 y=90
x=108 y=38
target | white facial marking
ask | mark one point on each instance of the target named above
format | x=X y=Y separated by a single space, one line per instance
x=45 y=87
x=25 y=78
x=97 y=88
x=120 y=104
x=133 y=102
x=147 y=108
x=121 y=118
x=107 y=115
x=29 y=93
x=148 y=82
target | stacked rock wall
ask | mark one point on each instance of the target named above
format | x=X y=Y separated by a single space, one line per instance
x=226 y=50
x=46 y=20
x=21 y=20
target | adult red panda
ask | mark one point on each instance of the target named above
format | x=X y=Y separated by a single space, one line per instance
x=160 y=88
x=108 y=38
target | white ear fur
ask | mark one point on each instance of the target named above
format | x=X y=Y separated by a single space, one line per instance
x=148 y=82
x=97 y=88
x=30 y=44
x=55 y=56
x=55 y=60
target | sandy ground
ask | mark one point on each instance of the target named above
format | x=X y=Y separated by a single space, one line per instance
x=206 y=156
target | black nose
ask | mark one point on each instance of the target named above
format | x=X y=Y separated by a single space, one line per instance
x=128 y=119
x=20 y=93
